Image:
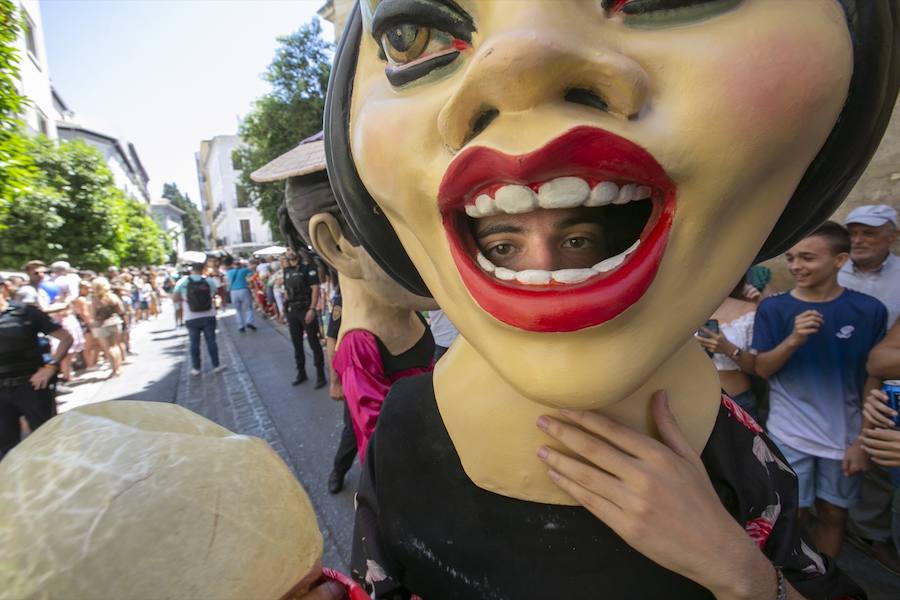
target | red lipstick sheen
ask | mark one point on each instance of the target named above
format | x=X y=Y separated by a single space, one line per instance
x=585 y=152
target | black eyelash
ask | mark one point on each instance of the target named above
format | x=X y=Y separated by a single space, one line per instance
x=638 y=7
x=445 y=15
x=402 y=76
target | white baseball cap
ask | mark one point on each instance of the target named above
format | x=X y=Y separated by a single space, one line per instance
x=874 y=215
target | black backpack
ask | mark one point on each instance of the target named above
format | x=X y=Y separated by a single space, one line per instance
x=199 y=295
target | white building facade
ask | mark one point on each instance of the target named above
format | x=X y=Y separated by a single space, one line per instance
x=39 y=113
x=230 y=220
x=170 y=219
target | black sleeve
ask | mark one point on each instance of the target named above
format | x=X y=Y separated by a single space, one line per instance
x=760 y=490
x=371 y=564
x=311 y=274
x=41 y=320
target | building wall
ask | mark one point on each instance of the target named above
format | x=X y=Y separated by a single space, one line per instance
x=34 y=75
x=170 y=221
x=879 y=184
x=221 y=181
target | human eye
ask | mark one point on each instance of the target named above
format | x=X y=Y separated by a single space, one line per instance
x=500 y=250
x=418 y=36
x=652 y=14
x=578 y=242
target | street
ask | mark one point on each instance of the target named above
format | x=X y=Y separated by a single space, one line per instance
x=254 y=396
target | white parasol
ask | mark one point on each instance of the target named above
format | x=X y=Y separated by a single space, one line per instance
x=271 y=251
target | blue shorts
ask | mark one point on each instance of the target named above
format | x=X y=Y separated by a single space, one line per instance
x=823 y=478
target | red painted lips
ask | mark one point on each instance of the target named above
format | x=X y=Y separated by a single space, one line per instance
x=586 y=152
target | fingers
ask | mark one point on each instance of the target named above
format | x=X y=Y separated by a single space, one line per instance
x=589 y=477
x=669 y=431
x=615 y=433
x=879 y=414
x=601 y=508
x=881 y=437
x=594 y=450
x=886 y=463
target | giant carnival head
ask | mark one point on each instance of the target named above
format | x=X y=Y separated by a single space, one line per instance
x=667 y=145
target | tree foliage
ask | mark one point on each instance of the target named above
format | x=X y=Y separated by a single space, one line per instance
x=16 y=168
x=74 y=211
x=193 y=226
x=292 y=111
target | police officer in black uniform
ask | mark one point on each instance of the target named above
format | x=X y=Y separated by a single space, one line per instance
x=27 y=381
x=301 y=286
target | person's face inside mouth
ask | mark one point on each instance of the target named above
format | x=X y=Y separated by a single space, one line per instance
x=555 y=244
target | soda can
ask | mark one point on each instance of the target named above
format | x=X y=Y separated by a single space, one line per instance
x=891 y=388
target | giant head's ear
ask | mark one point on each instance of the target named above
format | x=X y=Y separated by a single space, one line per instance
x=329 y=242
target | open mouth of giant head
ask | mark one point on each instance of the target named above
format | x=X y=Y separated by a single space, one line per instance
x=619 y=183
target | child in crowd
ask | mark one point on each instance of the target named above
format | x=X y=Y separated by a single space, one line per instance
x=812 y=343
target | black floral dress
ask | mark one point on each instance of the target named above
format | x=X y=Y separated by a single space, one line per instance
x=423 y=528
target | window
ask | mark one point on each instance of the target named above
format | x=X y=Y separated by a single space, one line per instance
x=30 y=42
x=43 y=125
x=245 y=231
x=243 y=195
x=236 y=163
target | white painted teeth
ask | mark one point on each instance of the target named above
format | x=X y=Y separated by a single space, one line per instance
x=515 y=199
x=602 y=194
x=565 y=276
x=562 y=192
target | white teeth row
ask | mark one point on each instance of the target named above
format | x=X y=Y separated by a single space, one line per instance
x=562 y=192
x=541 y=277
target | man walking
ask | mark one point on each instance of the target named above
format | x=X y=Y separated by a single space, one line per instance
x=874 y=270
x=26 y=380
x=199 y=315
x=812 y=344
x=32 y=293
x=237 y=276
x=301 y=286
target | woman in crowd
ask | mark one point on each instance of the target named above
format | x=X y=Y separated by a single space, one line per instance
x=278 y=288
x=81 y=307
x=730 y=347
x=107 y=315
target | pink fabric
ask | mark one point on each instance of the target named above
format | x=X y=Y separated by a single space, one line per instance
x=358 y=363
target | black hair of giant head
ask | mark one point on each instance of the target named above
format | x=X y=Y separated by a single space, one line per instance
x=873 y=27
x=304 y=197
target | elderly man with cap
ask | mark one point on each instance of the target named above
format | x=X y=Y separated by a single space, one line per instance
x=873 y=269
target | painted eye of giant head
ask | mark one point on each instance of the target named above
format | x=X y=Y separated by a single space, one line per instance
x=417 y=37
x=649 y=14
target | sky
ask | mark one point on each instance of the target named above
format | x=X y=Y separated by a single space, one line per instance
x=166 y=74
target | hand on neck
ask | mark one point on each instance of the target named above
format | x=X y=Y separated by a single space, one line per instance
x=493 y=430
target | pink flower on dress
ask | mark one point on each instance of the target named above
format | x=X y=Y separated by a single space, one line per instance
x=760 y=529
x=740 y=415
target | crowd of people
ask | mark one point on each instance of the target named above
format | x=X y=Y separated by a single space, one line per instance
x=818 y=355
x=61 y=323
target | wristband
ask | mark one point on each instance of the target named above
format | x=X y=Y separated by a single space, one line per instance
x=735 y=353
x=781 y=589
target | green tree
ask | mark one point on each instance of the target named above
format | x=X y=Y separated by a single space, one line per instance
x=193 y=227
x=291 y=111
x=72 y=211
x=145 y=241
x=17 y=170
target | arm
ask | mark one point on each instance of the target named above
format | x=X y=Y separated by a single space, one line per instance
x=805 y=324
x=41 y=378
x=314 y=301
x=718 y=342
x=884 y=359
x=652 y=494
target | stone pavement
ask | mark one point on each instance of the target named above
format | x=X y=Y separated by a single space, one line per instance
x=252 y=397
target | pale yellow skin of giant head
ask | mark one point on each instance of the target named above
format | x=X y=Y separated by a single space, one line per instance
x=734 y=108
